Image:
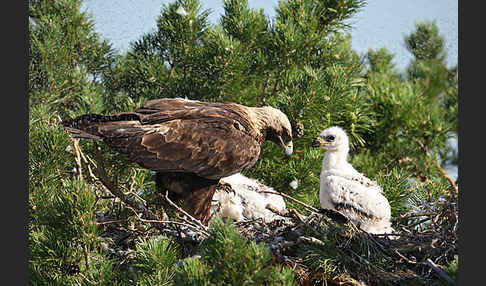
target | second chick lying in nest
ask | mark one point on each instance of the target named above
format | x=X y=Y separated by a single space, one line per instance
x=245 y=200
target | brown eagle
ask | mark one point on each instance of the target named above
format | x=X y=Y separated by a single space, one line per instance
x=190 y=144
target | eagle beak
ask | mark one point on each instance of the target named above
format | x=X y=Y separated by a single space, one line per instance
x=319 y=142
x=288 y=149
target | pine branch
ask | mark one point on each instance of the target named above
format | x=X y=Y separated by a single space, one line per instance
x=77 y=157
x=176 y=223
x=439 y=271
x=137 y=207
x=311 y=208
x=171 y=71
x=441 y=170
x=119 y=194
x=196 y=221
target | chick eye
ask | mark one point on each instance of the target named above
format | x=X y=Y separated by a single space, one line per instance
x=329 y=138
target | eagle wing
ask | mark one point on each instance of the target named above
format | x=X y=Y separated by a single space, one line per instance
x=357 y=198
x=170 y=135
x=209 y=147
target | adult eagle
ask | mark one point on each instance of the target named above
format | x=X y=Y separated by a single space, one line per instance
x=190 y=144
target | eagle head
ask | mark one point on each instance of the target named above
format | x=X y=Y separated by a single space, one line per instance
x=278 y=128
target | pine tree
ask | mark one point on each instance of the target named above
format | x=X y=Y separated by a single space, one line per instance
x=66 y=58
x=301 y=62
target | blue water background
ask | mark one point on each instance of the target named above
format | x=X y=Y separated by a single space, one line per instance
x=381 y=23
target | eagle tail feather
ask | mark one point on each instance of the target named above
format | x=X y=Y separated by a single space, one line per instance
x=84 y=126
x=77 y=133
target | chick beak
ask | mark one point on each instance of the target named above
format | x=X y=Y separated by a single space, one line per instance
x=318 y=142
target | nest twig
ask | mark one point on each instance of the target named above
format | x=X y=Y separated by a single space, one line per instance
x=194 y=221
x=426 y=237
x=311 y=208
x=114 y=189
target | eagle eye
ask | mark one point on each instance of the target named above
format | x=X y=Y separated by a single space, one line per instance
x=286 y=136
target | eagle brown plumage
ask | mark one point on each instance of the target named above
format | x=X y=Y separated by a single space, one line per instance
x=190 y=144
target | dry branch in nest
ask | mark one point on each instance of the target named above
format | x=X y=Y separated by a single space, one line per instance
x=138 y=208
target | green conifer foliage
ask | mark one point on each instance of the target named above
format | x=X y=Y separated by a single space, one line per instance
x=66 y=57
x=155 y=260
x=302 y=62
x=415 y=114
x=228 y=259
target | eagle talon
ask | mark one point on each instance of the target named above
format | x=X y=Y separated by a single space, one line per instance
x=222 y=185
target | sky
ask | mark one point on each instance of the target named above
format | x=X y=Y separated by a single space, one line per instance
x=381 y=23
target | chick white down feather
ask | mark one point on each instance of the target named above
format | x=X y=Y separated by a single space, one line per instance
x=344 y=189
x=246 y=201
